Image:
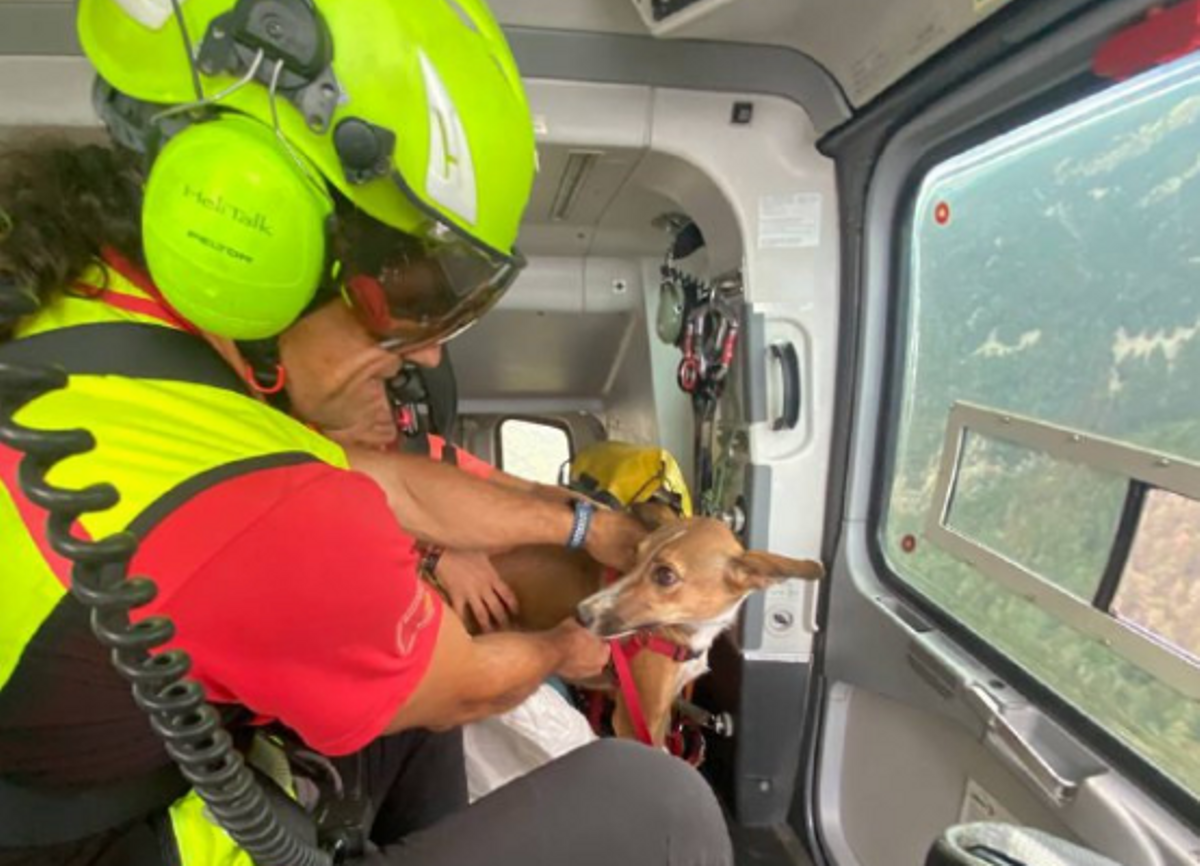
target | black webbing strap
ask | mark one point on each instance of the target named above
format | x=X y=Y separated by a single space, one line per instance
x=590 y=487
x=38 y=817
x=416 y=444
x=127 y=349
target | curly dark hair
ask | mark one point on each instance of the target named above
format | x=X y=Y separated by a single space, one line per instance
x=61 y=203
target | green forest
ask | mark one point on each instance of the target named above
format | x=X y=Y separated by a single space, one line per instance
x=1055 y=273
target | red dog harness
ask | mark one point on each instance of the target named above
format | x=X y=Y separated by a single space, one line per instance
x=623 y=652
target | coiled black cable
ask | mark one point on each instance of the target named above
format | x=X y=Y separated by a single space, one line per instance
x=188 y=725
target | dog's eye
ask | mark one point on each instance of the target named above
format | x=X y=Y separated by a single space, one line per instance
x=664 y=577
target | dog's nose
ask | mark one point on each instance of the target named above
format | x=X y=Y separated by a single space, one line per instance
x=584 y=616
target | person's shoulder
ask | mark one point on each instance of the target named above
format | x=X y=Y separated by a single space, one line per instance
x=294 y=506
x=299 y=478
x=292 y=484
x=324 y=492
x=316 y=498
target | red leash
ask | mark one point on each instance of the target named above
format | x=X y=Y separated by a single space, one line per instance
x=623 y=652
x=633 y=702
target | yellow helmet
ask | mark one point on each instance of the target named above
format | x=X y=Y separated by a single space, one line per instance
x=413 y=111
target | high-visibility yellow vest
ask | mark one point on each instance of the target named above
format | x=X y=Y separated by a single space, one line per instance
x=153 y=435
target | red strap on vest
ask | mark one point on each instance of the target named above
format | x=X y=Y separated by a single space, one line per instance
x=128 y=303
x=436 y=446
x=656 y=644
x=155 y=307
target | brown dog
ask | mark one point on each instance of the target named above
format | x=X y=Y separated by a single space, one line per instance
x=689 y=581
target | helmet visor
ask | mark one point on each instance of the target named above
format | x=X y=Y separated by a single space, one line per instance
x=415 y=291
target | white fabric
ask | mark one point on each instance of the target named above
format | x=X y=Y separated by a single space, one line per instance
x=512 y=744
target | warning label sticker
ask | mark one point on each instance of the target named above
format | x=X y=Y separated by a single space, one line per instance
x=789 y=221
x=979 y=805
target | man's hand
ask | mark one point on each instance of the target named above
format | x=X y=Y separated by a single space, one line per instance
x=473 y=678
x=613 y=539
x=584 y=655
x=473 y=585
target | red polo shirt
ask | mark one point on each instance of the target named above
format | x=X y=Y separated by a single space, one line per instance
x=297 y=595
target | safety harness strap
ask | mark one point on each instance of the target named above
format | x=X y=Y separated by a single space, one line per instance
x=130 y=349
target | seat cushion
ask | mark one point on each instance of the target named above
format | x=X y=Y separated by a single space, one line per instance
x=987 y=844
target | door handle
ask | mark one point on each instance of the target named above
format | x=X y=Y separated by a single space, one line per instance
x=789 y=367
x=1017 y=749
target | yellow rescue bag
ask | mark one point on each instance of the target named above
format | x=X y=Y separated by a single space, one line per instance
x=621 y=473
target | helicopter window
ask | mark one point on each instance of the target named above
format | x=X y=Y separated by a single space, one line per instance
x=1053 y=273
x=534 y=450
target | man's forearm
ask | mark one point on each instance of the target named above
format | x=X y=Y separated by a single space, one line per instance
x=508 y=668
x=545 y=491
x=472 y=678
x=441 y=505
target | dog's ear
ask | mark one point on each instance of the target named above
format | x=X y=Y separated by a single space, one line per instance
x=757 y=570
x=653 y=514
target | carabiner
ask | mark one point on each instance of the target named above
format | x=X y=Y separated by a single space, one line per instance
x=689 y=373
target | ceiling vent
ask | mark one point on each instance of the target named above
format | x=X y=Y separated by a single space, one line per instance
x=580 y=164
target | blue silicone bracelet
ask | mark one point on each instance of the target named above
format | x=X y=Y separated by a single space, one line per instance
x=583 y=521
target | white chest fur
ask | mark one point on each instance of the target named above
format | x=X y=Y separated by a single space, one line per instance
x=700 y=641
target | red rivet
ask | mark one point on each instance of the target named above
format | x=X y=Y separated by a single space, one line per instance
x=941 y=213
x=908 y=543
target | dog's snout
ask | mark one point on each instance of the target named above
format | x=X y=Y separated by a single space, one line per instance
x=585 y=616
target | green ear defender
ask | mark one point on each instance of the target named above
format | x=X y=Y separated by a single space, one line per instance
x=234 y=227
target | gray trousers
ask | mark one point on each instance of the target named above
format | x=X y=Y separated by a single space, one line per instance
x=613 y=802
